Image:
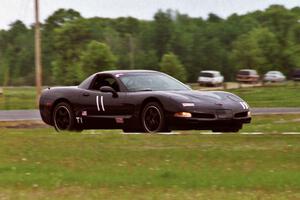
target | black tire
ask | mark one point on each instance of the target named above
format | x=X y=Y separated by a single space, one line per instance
x=153 y=118
x=64 y=118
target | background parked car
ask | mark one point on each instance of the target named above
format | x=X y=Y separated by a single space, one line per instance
x=274 y=76
x=210 y=77
x=247 y=76
x=296 y=75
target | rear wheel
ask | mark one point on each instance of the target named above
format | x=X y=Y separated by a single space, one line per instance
x=153 y=118
x=63 y=117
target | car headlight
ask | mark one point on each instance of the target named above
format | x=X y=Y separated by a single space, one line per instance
x=183 y=114
x=249 y=114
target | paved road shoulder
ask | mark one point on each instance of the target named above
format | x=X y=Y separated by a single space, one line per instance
x=31 y=115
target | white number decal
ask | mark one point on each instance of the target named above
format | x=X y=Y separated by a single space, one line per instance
x=102 y=104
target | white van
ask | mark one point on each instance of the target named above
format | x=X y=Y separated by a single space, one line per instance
x=210 y=77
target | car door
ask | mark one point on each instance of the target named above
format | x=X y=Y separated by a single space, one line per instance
x=103 y=109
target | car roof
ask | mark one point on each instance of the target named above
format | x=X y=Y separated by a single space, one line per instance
x=273 y=72
x=127 y=71
x=248 y=70
x=85 y=84
x=209 y=71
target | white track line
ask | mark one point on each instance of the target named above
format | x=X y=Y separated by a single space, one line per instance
x=252 y=133
x=219 y=133
x=98 y=132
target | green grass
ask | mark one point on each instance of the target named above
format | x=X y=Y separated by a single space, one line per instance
x=18 y=98
x=271 y=96
x=39 y=163
x=273 y=124
x=270 y=124
x=268 y=96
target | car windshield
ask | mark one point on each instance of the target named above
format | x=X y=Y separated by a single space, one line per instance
x=242 y=72
x=151 y=82
x=273 y=73
x=207 y=74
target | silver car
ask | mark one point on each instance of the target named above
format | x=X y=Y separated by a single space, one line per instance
x=274 y=76
x=210 y=77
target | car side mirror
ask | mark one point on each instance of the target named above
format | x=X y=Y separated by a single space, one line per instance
x=109 y=89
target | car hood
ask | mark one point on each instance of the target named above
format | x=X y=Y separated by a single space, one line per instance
x=207 y=99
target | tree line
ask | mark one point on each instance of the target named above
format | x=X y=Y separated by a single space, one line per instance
x=73 y=47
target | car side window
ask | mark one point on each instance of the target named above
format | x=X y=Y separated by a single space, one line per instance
x=101 y=81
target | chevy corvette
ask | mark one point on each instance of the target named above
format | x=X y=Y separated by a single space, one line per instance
x=140 y=101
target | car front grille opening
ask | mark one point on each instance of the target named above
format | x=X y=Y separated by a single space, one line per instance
x=203 y=115
x=241 y=114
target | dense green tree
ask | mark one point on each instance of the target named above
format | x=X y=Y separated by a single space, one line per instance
x=279 y=20
x=147 y=60
x=208 y=51
x=171 y=65
x=97 y=57
x=127 y=25
x=3 y=66
x=262 y=40
x=163 y=27
x=291 y=59
x=17 y=54
x=69 y=40
x=182 y=39
x=59 y=18
x=258 y=49
x=55 y=21
x=214 y=18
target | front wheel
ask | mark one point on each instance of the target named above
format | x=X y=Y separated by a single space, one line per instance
x=153 y=118
x=63 y=117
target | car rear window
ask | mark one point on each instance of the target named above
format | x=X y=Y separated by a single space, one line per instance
x=205 y=74
x=244 y=73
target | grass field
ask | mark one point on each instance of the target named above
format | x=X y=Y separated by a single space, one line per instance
x=18 y=98
x=40 y=164
x=268 y=96
x=273 y=124
x=271 y=95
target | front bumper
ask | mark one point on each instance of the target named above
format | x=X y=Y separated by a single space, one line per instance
x=193 y=123
x=273 y=79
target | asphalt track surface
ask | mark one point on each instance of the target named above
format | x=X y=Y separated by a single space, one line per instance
x=34 y=115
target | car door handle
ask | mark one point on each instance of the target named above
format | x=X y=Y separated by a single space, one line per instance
x=86 y=94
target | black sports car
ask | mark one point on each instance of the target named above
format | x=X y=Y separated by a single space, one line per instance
x=140 y=101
